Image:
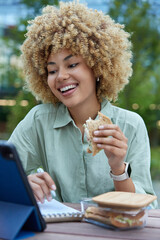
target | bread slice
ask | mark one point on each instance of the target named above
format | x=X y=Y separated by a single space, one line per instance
x=91 y=126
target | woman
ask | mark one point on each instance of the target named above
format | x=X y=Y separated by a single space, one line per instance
x=76 y=61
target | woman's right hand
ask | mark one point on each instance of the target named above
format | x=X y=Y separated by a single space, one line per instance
x=41 y=184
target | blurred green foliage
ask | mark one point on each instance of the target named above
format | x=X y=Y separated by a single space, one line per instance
x=33 y=9
x=144 y=86
x=12 y=78
x=142 y=92
x=19 y=111
x=155 y=163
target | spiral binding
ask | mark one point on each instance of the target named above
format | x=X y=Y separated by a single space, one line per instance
x=63 y=215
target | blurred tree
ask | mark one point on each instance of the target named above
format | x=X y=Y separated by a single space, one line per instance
x=142 y=93
x=16 y=33
x=24 y=102
x=33 y=8
x=13 y=76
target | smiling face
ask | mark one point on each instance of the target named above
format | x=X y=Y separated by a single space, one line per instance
x=71 y=80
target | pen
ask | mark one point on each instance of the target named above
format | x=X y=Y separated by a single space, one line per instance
x=40 y=170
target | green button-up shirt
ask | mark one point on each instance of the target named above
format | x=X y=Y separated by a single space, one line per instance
x=48 y=137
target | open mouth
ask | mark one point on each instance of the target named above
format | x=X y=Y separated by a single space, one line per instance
x=68 y=88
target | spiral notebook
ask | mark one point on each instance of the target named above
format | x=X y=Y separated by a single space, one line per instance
x=55 y=211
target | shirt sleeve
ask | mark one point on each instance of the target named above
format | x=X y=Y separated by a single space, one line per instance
x=25 y=139
x=139 y=158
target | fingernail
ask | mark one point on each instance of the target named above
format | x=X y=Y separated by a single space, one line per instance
x=42 y=200
x=49 y=198
x=99 y=145
x=96 y=132
x=53 y=187
x=95 y=139
x=101 y=127
x=53 y=193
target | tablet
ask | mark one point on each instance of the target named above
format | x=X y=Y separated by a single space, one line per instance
x=15 y=190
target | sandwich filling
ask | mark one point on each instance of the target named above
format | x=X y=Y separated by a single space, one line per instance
x=86 y=130
x=112 y=218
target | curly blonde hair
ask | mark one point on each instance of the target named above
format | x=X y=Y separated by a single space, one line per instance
x=103 y=44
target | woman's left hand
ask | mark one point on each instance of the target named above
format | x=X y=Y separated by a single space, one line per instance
x=110 y=138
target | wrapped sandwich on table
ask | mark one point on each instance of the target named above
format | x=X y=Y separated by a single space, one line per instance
x=118 y=210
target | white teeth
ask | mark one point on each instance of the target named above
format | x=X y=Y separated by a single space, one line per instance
x=67 y=88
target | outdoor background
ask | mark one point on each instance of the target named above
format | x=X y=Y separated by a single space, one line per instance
x=140 y=17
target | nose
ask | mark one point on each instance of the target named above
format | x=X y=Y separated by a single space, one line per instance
x=62 y=74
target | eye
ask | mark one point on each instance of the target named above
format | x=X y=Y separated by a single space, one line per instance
x=73 y=65
x=52 y=72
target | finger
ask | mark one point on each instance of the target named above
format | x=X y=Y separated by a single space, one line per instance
x=44 y=187
x=49 y=181
x=120 y=153
x=36 y=198
x=111 y=141
x=110 y=127
x=37 y=191
x=114 y=133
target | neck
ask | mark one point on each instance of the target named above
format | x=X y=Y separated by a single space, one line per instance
x=82 y=113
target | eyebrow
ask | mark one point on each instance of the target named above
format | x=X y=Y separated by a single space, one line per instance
x=66 y=58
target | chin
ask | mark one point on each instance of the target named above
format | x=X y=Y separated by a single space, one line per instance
x=72 y=103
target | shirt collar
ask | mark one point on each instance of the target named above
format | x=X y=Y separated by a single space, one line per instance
x=62 y=117
x=106 y=109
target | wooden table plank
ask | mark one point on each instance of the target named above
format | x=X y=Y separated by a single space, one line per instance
x=110 y=235
x=59 y=236
x=87 y=229
x=153 y=222
x=154 y=213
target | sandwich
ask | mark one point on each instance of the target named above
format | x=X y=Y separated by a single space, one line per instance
x=114 y=218
x=92 y=125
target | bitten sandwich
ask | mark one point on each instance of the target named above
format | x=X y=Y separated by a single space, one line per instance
x=116 y=219
x=91 y=126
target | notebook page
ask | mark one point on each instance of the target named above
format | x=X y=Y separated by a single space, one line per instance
x=54 y=207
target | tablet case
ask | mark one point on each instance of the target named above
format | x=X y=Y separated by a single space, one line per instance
x=18 y=208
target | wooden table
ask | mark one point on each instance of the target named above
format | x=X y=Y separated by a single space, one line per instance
x=88 y=231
